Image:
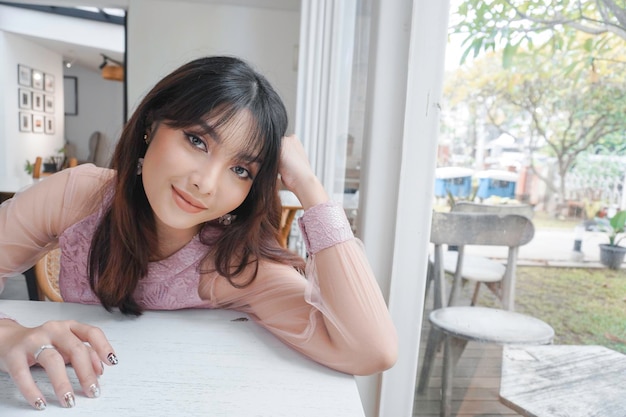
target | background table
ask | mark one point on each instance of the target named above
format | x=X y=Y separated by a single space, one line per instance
x=189 y=363
x=564 y=380
x=11 y=185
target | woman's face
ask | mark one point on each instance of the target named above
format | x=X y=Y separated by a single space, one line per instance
x=191 y=176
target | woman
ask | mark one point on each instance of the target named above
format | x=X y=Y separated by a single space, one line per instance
x=188 y=217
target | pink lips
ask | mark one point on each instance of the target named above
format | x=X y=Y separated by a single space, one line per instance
x=186 y=202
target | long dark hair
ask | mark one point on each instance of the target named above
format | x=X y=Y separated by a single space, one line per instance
x=126 y=238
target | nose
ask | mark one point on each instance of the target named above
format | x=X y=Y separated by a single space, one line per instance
x=207 y=178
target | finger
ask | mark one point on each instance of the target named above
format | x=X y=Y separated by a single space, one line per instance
x=54 y=365
x=79 y=355
x=97 y=340
x=96 y=363
x=19 y=371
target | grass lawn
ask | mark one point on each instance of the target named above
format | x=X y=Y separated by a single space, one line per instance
x=585 y=306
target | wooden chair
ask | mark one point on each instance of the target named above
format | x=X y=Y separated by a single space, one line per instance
x=290 y=206
x=47 y=276
x=453 y=325
x=38 y=173
x=461 y=229
x=480 y=269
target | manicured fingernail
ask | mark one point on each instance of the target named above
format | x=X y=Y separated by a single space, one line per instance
x=70 y=402
x=94 y=390
x=112 y=359
x=40 y=404
x=101 y=366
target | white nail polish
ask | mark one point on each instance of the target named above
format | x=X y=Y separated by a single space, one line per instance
x=94 y=390
x=40 y=404
x=69 y=399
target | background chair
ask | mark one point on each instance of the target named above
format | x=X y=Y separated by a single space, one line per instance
x=290 y=206
x=480 y=269
x=47 y=276
x=37 y=166
x=453 y=325
x=461 y=229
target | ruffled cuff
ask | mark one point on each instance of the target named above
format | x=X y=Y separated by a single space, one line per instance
x=323 y=226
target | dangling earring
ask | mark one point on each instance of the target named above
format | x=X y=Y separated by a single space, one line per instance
x=139 y=166
x=146 y=138
x=227 y=219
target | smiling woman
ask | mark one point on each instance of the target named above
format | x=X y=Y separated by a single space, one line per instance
x=189 y=217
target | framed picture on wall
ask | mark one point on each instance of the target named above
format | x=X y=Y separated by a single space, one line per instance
x=38 y=79
x=25 y=99
x=37 y=101
x=48 y=103
x=70 y=94
x=38 y=123
x=25 y=122
x=24 y=75
x=49 y=122
x=48 y=82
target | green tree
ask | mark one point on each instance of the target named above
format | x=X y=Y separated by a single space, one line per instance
x=558 y=116
x=513 y=25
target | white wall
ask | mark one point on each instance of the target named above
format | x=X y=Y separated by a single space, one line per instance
x=163 y=35
x=16 y=146
x=100 y=108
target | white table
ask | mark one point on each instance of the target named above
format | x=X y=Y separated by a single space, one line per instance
x=189 y=363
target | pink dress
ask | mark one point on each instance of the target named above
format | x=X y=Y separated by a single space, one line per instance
x=336 y=314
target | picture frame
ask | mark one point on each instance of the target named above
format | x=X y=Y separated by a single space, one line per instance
x=37 y=101
x=24 y=75
x=48 y=82
x=70 y=92
x=48 y=103
x=38 y=123
x=49 y=125
x=25 y=122
x=38 y=79
x=25 y=100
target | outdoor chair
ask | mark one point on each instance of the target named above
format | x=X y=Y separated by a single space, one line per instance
x=455 y=325
x=481 y=269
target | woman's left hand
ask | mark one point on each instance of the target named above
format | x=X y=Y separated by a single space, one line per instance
x=297 y=175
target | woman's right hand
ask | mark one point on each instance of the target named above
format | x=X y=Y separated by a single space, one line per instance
x=56 y=343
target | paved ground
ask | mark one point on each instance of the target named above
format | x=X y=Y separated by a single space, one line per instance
x=553 y=247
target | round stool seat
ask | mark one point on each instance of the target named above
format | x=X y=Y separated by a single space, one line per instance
x=491 y=325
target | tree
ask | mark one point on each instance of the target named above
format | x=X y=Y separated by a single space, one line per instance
x=512 y=25
x=557 y=116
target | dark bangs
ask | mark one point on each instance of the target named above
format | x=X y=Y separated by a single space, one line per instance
x=222 y=90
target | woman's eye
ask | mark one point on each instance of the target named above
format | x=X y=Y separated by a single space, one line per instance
x=241 y=172
x=196 y=141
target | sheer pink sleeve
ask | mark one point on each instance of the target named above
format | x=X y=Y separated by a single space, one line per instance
x=32 y=220
x=337 y=315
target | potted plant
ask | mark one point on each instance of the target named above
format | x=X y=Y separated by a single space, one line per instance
x=611 y=254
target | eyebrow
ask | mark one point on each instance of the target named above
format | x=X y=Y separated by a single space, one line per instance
x=243 y=155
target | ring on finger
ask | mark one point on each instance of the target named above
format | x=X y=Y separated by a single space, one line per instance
x=41 y=349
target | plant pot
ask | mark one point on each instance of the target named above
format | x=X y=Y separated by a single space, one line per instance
x=612 y=256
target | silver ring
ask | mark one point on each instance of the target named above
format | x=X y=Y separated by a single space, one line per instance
x=41 y=349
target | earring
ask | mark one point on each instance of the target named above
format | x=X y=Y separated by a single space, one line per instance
x=227 y=219
x=139 y=166
x=146 y=138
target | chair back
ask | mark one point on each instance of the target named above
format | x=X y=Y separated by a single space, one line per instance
x=487 y=229
x=525 y=210
x=37 y=167
x=47 y=275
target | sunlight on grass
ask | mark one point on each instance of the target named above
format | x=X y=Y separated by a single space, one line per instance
x=584 y=306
